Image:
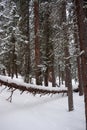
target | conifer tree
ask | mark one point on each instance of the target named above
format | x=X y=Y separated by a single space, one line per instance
x=25 y=39
x=37 y=43
x=9 y=44
x=68 y=78
x=81 y=10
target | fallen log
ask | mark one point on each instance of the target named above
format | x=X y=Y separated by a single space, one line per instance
x=29 y=88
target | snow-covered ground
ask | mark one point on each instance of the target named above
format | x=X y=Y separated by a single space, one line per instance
x=19 y=81
x=27 y=112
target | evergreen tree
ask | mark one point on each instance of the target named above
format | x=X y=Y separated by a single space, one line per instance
x=25 y=39
x=10 y=18
x=47 y=43
x=81 y=9
x=68 y=78
x=37 y=43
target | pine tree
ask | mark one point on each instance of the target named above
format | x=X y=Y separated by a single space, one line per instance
x=37 y=43
x=68 y=78
x=10 y=18
x=47 y=43
x=77 y=51
x=25 y=39
x=81 y=9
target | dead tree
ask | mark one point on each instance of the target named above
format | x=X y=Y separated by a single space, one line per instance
x=28 y=88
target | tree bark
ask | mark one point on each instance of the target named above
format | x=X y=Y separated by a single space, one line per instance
x=37 y=43
x=49 y=51
x=34 y=90
x=82 y=26
x=24 y=28
x=68 y=78
x=59 y=74
x=77 y=47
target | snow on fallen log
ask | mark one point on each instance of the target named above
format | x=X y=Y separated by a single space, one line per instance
x=35 y=89
x=13 y=85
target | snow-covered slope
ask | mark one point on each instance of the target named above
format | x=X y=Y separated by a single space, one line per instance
x=27 y=112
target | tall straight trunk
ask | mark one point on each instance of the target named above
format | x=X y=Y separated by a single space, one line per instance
x=80 y=86
x=13 y=58
x=24 y=27
x=37 y=43
x=77 y=47
x=52 y=65
x=46 y=33
x=13 y=62
x=9 y=65
x=68 y=78
x=59 y=74
x=49 y=55
x=46 y=77
x=82 y=26
x=53 y=76
x=62 y=76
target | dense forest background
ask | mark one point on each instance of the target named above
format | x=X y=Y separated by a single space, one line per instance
x=45 y=40
x=37 y=38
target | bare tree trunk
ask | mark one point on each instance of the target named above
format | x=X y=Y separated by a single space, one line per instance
x=37 y=44
x=80 y=86
x=68 y=78
x=9 y=65
x=27 y=46
x=59 y=74
x=49 y=51
x=46 y=77
x=82 y=26
x=24 y=27
x=62 y=76
x=46 y=33
x=53 y=77
x=13 y=56
x=52 y=66
x=77 y=47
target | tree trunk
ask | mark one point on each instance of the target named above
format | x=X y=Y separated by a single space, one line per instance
x=80 y=86
x=62 y=76
x=77 y=47
x=24 y=27
x=68 y=78
x=46 y=33
x=37 y=44
x=46 y=77
x=49 y=51
x=59 y=74
x=53 y=77
x=13 y=56
x=82 y=26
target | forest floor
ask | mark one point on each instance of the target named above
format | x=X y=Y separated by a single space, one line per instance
x=28 y=112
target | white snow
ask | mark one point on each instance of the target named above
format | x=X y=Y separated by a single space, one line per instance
x=21 y=82
x=27 y=112
x=81 y=53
